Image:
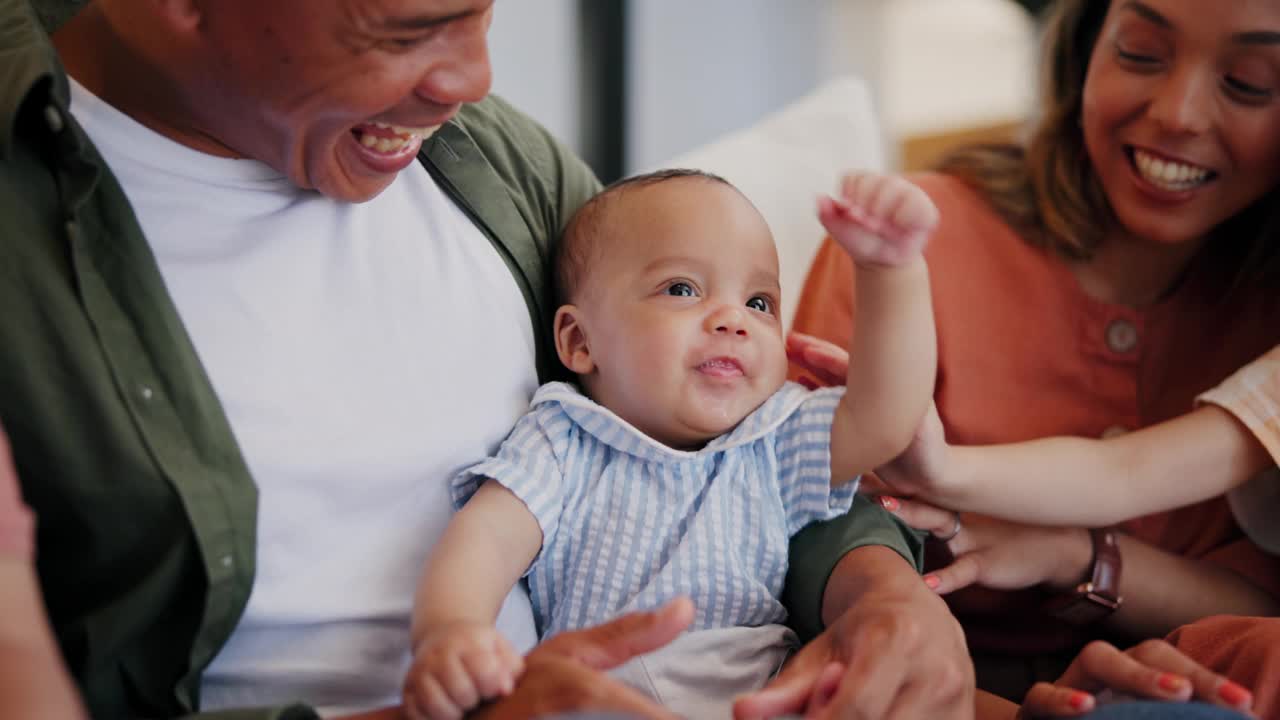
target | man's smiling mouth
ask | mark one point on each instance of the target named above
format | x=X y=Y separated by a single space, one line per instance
x=389 y=139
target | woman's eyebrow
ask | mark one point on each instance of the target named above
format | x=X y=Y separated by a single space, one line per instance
x=1257 y=37
x=1148 y=13
x=1252 y=37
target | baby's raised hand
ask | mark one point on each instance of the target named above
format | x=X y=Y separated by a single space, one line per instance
x=456 y=667
x=879 y=219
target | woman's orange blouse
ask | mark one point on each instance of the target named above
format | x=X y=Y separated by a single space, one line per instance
x=1024 y=353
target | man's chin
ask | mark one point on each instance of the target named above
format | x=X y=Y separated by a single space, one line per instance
x=355 y=192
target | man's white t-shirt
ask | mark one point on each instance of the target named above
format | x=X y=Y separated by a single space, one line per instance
x=363 y=353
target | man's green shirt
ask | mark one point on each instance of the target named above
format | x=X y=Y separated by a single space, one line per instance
x=146 y=509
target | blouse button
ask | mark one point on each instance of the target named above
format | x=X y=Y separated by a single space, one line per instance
x=1122 y=336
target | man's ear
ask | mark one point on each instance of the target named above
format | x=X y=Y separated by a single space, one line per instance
x=571 y=341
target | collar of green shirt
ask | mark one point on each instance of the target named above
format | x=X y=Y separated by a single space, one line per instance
x=27 y=59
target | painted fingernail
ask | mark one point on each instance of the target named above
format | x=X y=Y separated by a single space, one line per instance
x=1171 y=682
x=890 y=503
x=932 y=581
x=1235 y=694
x=1081 y=701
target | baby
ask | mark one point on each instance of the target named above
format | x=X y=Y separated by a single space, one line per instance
x=682 y=462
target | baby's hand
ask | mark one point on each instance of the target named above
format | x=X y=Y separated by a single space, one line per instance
x=879 y=219
x=456 y=667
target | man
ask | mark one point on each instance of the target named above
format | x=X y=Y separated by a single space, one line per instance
x=272 y=271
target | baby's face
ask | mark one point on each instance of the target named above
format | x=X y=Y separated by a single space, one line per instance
x=681 y=312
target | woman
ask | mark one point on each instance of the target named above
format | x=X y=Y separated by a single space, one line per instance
x=1093 y=282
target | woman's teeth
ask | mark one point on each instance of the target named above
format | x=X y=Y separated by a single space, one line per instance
x=1167 y=174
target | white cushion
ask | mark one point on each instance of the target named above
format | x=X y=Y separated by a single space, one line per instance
x=783 y=163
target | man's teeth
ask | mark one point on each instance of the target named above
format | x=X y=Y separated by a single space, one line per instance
x=404 y=137
x=382 y=144
x=1167 y=174
x=402 y=130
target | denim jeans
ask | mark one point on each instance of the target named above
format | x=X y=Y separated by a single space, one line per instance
x=1138 y=710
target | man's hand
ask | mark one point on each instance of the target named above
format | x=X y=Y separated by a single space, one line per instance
x=564 y=674
x=456 y=667
x=880 y=220
x=892 y=651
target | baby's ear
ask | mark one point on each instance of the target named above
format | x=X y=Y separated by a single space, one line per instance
x=571 y=341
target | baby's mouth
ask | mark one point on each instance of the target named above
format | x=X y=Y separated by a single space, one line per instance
x=388 y=139
x=721 y=367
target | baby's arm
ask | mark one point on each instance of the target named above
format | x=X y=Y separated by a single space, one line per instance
x=1085 y=482
x=883 y=222
x=459 y=657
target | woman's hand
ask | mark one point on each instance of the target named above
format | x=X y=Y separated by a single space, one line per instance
x=1153 y=670
x=923 y=469
x=996 y=554
x=827 y=362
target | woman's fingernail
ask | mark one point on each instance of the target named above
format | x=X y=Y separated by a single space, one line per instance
x=1235 y=694
x=1081 y=701
x=1171 y=682
x=890 y=503
x=932 y=581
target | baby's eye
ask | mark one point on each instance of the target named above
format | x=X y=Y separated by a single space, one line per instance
x=680 y=289
x=759 y=303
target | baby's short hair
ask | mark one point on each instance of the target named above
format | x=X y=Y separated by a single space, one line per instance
x=580 y=241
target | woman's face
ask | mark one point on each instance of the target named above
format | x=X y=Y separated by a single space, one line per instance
x=1181 y=113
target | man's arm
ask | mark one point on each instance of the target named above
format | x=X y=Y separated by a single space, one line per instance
x=902 y=653
x=854 y=583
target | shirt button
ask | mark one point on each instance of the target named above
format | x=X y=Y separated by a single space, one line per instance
x=227 y=562
x=53 y=119
x=1122 y=336
x=1114 y=431
x=146 y=392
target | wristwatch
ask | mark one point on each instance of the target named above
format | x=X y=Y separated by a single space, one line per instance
x=1099 y=596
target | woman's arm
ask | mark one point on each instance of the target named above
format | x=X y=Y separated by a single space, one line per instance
x=1093 y=483
x=1067 y=481
x=1161 y=590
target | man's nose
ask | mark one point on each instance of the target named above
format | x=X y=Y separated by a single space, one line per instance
x=727 y=320
x=460 y=71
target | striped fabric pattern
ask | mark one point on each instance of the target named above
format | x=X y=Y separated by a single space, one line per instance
x=629 y=523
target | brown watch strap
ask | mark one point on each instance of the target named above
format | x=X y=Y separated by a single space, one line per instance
x=1099 y=596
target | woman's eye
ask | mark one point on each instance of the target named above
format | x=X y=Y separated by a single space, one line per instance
x=1247 y=90
x=1135 y=57
x=760 y=304
x=680 y=289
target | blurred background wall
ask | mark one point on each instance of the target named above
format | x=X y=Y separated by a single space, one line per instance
x=630 y=83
